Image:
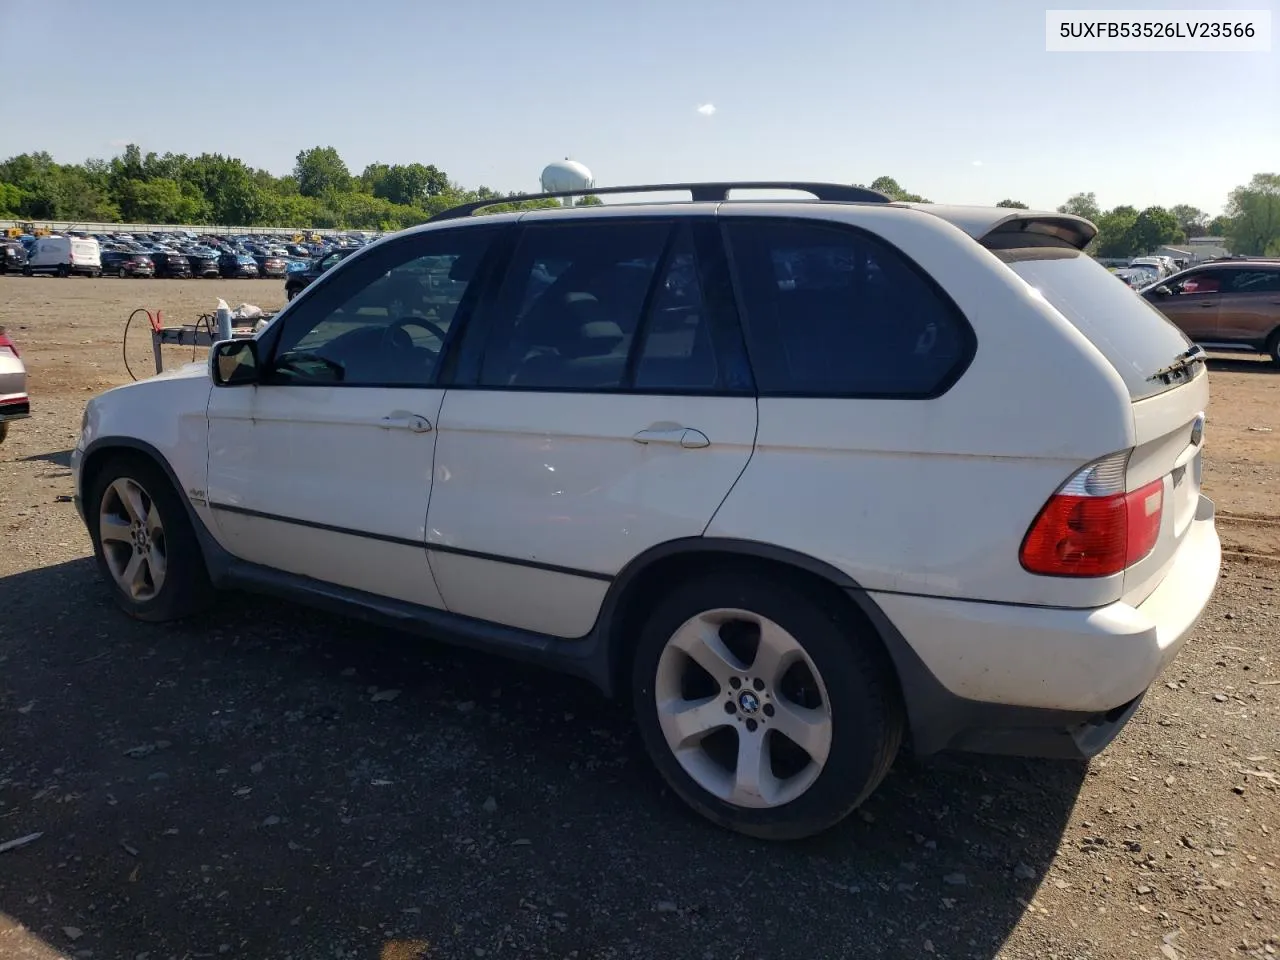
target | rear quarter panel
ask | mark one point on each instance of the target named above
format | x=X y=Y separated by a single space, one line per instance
x=935 y=496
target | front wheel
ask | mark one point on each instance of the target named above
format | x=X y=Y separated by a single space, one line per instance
x=1273 y=347
x=765 y=711
x=144 y=542
x=4 y=431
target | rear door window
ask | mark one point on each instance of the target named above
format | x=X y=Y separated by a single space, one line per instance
x=1135 y=337
x=571 y=304
x=1252 y=281
x=832 y=311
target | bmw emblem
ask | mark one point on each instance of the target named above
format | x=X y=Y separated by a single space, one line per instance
x=748 y=702
x=1197 y=431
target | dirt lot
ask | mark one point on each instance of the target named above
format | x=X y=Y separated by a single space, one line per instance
x=236 y=787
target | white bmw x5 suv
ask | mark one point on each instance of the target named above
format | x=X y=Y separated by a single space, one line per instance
x=800 y=478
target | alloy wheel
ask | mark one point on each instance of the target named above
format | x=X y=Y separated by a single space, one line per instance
x=743 y=708
x=133 y=539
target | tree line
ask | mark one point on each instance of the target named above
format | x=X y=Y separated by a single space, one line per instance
x=1250 y=222
x=321 y=191
x=211 y=188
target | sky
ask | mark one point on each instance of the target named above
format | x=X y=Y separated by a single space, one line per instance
x=956 y=99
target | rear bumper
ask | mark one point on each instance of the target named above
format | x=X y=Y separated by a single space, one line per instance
x=14 y=408
x=1044 y=681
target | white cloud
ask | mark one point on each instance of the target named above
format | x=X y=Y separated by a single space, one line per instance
x=707 y=109
x=976 y=163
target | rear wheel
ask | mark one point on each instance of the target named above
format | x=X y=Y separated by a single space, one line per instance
x=64 y=270
x=4 y=431
x=765 y=711
x=144 y=543
x=123 y=273
x=1273 y=347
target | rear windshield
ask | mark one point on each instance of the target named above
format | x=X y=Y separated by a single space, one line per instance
x=1133 y=335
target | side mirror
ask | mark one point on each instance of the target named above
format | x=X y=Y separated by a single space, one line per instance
x=234 y=363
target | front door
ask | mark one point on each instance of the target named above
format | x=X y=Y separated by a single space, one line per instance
x=324 y=469
x=1192 y=304
x=603 y=406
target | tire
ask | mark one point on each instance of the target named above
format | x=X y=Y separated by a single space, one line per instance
x=849 y=680
x=131 y=488
x=64 y=271
x=4 y=431
x=1273 y=347
x=124 y=274
x=28 y=272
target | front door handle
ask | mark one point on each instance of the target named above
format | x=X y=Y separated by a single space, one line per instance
x=686 y=437
x=1211 y=304
x=407 y=421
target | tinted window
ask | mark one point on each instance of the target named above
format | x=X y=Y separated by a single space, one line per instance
x=1135 y=337
x=571 y=304
x=677 y=350
x=1251 y=281
x=1202 y=281
x=384 y=318
x=833 y=311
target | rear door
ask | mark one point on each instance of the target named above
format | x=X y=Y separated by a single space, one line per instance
x=603 y=405
x=85 y=253
x=1250 y=303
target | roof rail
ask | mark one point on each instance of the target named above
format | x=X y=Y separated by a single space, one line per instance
x=829 y=192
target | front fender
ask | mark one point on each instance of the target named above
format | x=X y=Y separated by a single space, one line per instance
x=164 y=416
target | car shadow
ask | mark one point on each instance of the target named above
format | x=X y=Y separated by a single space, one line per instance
x=1243 y=364
x=60 y=458
x=265 y=780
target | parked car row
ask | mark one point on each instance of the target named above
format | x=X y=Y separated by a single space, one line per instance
x=175 y=254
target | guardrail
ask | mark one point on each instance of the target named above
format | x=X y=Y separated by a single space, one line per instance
x=61 y=226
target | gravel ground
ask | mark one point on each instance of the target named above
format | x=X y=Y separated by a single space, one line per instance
x=268 y=782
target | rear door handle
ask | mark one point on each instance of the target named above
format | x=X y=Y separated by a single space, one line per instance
x=406 y=421
x=686 y=437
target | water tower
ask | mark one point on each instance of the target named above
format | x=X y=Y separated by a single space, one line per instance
x=567 y=176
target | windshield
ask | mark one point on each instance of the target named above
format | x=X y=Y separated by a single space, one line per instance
x=1133 y=335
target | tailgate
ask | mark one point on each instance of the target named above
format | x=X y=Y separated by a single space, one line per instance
x=1169 y=447
x=85 y=252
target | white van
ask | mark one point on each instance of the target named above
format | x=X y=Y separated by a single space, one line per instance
x=65 y=256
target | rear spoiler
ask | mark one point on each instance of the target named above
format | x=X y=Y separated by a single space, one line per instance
x=1039 y=230
x=1009 y=227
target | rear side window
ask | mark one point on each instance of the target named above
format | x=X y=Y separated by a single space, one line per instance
x=833 y=311
x=1135 y=337
x=1252 y=281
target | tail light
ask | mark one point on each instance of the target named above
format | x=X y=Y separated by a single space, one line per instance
x=1091 y=527
x=7 y=345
